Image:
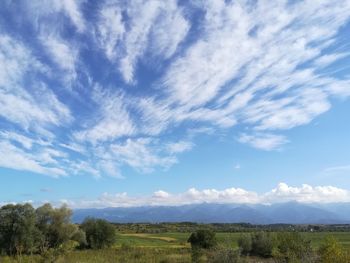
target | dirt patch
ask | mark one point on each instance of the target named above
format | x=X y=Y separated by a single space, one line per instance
x=168 y=239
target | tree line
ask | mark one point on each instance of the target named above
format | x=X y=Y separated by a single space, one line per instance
x=48 y=231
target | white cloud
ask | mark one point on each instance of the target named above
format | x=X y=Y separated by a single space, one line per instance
x=15 y=158
x=169 y=31
x=263 y=141
x=26 y=142
x=179 y=147
x=246 y=58
x=153 y=25
x=110 y=30
x=50 y=12
x=338 y=169
x=113 y=120
x=161 y=194
x=326 y=60
x=62 y=53
x=72 y=9
x=282 y=193
x=307 y=194
x=141 y=154
x=260 y=66
x=110 y=168
x=17 y=103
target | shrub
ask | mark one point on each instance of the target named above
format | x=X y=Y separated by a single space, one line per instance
x=262 y=244
x=224 y=255
x=245 y=243
x=332 y=252
x=99 y=233
x=203 y=239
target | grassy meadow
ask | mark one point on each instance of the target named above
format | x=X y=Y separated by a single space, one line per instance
x=179 y=240
x=169 y=247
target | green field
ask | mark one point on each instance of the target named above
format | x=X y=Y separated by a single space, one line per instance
x=230 y=239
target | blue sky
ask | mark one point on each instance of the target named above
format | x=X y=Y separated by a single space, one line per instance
x=123 y=103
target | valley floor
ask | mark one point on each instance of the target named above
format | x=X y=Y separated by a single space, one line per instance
x=162 y=248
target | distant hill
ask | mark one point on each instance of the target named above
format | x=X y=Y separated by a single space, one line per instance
x=290 y=213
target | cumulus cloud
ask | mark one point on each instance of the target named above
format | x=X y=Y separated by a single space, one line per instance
x=282 y=193
x=307 y=194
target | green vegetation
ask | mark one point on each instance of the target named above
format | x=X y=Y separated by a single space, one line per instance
x=46 y=234
x=99 y=233
x=203 y=239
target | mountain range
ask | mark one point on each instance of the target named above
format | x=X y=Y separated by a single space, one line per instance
x=288 y=213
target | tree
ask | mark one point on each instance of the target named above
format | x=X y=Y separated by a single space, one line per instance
x=56 y=227
x=17 y=229
x=99 y=233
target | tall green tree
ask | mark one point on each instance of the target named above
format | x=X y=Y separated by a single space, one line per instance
x=18 y=230
x=56 y=227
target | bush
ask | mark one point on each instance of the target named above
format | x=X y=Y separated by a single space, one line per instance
x=203 y=239
x=245 y=244
x=99 y=233
x=293 y=247
x=262 y=244
x=224 y=255
x=332 y=252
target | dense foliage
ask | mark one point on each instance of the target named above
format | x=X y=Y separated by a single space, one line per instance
x=331 y=252
x=48 y=231
x=203 y=238
x=99 y=233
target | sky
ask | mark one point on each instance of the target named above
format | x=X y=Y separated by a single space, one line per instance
x=165 y=102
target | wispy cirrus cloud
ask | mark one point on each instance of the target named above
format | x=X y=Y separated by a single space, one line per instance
x=65 y=55
x=253 y=70
x=17 y=104
x=263 y=141
x=338 y=169
x=158 y=26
